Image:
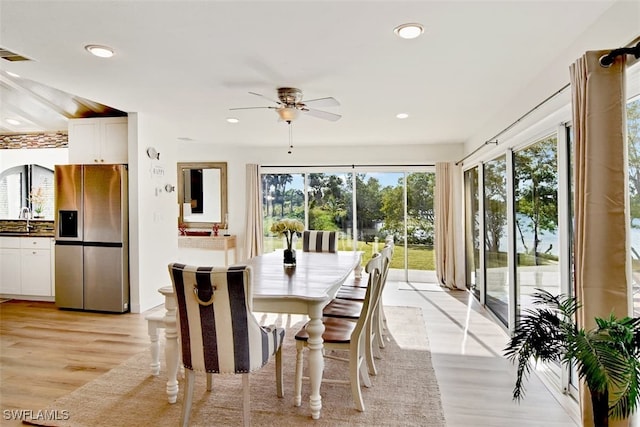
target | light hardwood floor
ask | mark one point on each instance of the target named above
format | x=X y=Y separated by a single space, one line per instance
x=475 y=380
x=46 y=353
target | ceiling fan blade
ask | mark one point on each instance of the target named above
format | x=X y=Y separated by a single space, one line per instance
x=322 y=114
x=322 y=102
x=265 y=97
x=249 y=108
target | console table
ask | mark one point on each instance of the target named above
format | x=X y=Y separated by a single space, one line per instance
x=214 y=243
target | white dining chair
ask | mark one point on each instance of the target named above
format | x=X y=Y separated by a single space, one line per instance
x=344 y=334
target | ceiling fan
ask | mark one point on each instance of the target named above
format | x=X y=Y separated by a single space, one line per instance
x=290 y=104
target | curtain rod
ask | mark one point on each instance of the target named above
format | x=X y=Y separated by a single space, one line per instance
x=608 y=59
x=494 y=139
x=345 y=166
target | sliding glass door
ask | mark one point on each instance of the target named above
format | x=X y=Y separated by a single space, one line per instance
x=535 y=171
x=365 y=207
x=330 y=205
x=420 y=221
x=282 y=197
x=472 y=230
x=495 y=241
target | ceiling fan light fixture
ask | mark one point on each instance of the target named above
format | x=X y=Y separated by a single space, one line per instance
x=99 y=51
x=409 y=31
x=288 y=113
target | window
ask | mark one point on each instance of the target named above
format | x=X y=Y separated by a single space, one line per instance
x=472 y=230
x=495 y=244
x=536 y=220
x=282 y=197
x=26 y=186
x=383 y=205
x=633 y=143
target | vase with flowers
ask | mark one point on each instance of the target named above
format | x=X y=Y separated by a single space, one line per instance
x=289 y=230
x=37 y=199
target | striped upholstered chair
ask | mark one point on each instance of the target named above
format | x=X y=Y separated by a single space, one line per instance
x=319 y=241
x=218 y=332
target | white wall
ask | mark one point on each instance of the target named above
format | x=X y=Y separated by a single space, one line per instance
x=47 y=157
x=618 y=26
x=152 y=211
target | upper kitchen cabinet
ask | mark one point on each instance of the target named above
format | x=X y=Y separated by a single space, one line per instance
x=98 y=140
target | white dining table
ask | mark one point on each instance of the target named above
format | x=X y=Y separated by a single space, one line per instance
x=305 y=289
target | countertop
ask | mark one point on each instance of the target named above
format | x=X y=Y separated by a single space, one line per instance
x=18 y=228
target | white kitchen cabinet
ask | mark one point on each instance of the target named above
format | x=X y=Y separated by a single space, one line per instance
x=98 y=140
x=10 y=265
x=26 y=264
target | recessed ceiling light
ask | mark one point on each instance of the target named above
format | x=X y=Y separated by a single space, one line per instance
x=13 y=122
x=409 y=31
x=13 y=74
x=402 y=115
x=232 y=120
x=100 y=51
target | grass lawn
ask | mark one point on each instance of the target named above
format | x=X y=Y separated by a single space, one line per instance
x=420 y=257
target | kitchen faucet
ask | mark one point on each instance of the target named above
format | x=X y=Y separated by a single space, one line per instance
x=26 y=214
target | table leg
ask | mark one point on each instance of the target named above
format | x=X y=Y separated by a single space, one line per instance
x=315 y=328
x=154 y=347
x=171 y=350
x=358 y=269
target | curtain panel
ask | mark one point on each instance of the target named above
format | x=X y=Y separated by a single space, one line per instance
x=600 y=239
x=449 y=246
x=253 y=220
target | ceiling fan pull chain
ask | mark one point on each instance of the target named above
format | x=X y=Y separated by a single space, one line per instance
x=290 y=137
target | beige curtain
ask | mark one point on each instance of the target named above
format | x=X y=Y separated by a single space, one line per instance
x=253 y=220
x=449 y=246
x=600 y=194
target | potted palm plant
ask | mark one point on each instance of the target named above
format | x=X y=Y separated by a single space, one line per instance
x=607 y=357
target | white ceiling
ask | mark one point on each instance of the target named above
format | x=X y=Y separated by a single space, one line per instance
x=188 y=62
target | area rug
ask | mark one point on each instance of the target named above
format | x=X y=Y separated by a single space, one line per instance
x=405 y=391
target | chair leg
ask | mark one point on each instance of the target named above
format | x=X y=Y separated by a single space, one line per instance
x=279 y=372
x=188 y=398
x=369 y=341
x=355 y=365
x=297 y=387
x=246 y=402
x=381 y=325
x=382 y=319
x=209 y=381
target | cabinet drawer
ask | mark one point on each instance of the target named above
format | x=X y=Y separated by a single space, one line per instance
x=35 y=243
x=10 y=242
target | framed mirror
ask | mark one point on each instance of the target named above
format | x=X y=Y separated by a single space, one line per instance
x=202 y=194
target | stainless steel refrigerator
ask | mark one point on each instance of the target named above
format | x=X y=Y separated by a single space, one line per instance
x=92 y=250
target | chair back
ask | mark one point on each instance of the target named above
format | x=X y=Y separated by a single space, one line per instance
x=319 y=241
x=374 y=270
x=218 y=331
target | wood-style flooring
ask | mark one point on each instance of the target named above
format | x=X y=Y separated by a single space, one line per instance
x=46 y=353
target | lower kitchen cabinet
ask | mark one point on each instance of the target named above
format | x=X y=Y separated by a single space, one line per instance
x=27 y=266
